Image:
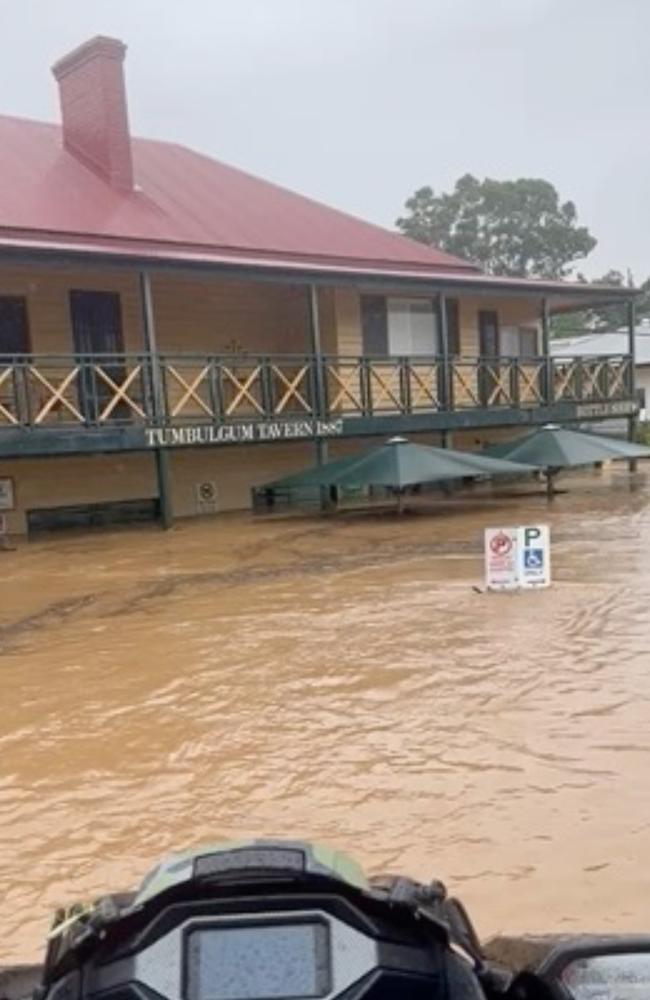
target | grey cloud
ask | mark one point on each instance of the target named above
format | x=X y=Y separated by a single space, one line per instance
x=357 y=102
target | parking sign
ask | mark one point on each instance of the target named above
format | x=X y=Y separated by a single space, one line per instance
x=518 y=557
x=501 y=571
x=534 y=556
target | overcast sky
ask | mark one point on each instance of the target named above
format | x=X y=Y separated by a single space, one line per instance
x=359 y=102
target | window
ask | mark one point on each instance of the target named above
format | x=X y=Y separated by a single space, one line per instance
x=412 y=327
x=405 y=327
x=14 y=332
x=528 y=342
x=489 y=334
x=519 y=341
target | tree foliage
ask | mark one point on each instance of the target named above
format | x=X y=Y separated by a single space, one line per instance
x=613 y=317
x=603 y=318
x=517 y=228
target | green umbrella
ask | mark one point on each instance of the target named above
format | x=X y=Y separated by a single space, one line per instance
x=312 y=477
x=553 y=448
x=398 y=464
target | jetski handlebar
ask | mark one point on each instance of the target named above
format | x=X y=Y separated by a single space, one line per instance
x=277 y=920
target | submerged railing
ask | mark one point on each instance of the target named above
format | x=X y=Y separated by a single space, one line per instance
x=168 y=390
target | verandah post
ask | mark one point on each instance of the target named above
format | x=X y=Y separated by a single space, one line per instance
x=445 y=382
x=444 y=386
x=161 y=455
x=631 y=350
x=317 y=354
x=546 y=353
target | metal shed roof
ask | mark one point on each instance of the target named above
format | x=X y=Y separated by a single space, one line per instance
x=593 y=344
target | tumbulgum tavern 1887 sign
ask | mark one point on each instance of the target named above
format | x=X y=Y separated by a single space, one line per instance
x=246 y=433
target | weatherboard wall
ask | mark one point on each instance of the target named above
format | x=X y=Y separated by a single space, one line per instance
x=48 y=309
x=234 y=470
x=62 y=482
x=510 y=313
x=220 y=317
x=216 y=316
x=92 y=479
x=192 y=315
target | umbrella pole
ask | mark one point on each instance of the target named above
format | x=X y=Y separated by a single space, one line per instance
x=400 y=501
x=550 y=488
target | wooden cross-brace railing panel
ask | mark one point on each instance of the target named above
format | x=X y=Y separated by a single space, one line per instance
x=102 y=390
x=190 y=390
x=57 y=393
x=617 y=375
x=6 y=416
x=564 y=380
x=423 y=386
x=120 y=393
x=465 y=390
x=346 y=380
x=530 y=383
x=592 y=375
x=496 y=384
x=386 y=388
x=243 y=386
x=294 y=386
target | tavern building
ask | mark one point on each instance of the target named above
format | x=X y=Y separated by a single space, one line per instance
x=175 y=332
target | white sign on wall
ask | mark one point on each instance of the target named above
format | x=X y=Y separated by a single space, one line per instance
x=517 y=557
x=206 y=497
x=6 y=494
x=241 y=433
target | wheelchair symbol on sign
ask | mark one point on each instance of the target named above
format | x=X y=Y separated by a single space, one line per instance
x=533 y=558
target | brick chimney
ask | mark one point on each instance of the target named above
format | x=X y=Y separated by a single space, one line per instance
x=93 y=109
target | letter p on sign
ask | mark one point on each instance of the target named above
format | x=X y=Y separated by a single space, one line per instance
x=534 y=556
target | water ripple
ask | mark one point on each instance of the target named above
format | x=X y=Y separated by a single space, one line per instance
x=336 y=679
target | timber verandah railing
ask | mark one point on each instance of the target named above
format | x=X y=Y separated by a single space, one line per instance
x=167 y=390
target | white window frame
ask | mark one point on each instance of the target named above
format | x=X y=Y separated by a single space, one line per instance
x=408 y=335
x=516 y=334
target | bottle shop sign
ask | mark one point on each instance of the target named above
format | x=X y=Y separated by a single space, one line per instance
x=517 y=558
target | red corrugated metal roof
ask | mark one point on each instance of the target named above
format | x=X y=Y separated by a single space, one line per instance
x=185 y=202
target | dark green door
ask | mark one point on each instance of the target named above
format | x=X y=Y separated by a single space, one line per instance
x=488 y=339
x=98 y=343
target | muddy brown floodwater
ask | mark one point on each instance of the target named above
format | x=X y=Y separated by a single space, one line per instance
x=335 y=679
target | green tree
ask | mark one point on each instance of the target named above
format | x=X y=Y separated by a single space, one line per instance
x=613 y=317
x=604 y=317
x=517 y=228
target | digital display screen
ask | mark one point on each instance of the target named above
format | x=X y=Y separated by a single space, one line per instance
x=609 y=977
x=259 y=962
